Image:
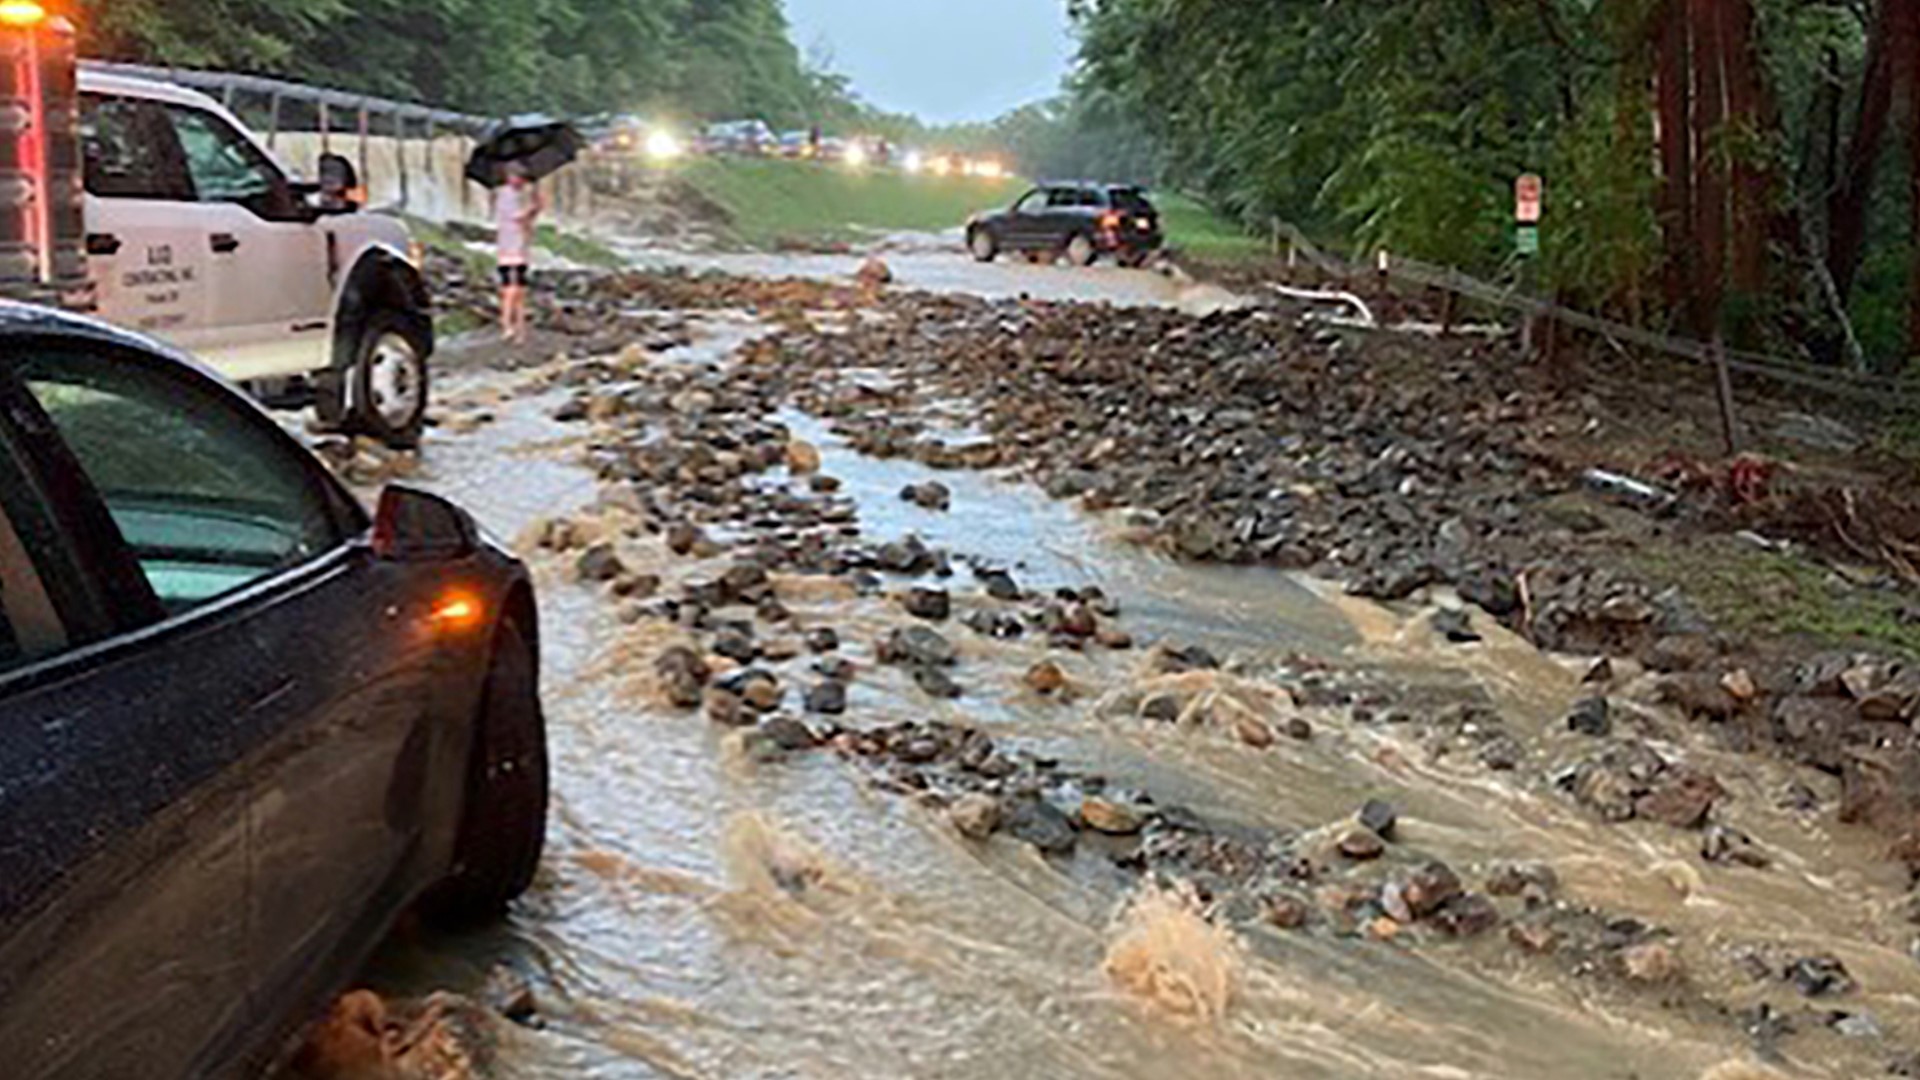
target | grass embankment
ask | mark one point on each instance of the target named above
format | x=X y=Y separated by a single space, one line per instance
x=776 y=202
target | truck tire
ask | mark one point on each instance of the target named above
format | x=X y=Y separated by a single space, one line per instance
x=388 y=380
x=503 y=823
x=983 y=245
x=1081 y=250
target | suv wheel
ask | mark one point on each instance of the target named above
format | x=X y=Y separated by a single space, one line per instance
x=983 y=245
x=1080 y=250
x=503 y=824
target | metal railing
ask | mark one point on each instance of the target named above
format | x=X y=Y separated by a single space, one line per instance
x=1886 y=392
x=227 y=86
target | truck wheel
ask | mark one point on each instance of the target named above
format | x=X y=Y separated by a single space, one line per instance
x=503 y=824
x=984 y=247
x=1080 y=250
x=389 y=377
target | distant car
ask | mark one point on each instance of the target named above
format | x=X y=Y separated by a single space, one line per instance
x=1080 y=221
x=750 y=137
x=796 y=144
x=242 y=726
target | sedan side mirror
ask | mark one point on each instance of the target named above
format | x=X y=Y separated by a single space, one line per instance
x=414 y=526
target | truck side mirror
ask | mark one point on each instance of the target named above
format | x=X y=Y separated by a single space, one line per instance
x=339 y=181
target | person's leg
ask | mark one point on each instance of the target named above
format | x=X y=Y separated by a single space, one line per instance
x=506 y=304
x=516 y=307
x=521 y=313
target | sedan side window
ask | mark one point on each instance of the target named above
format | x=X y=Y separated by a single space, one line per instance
x=206 y=496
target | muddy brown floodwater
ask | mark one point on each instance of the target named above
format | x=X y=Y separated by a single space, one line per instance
x=709 y=911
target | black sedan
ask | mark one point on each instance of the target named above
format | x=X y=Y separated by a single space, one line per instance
x=1079 y=221
x=242 y=726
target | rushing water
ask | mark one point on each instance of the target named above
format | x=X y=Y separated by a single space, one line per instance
x=704 y=914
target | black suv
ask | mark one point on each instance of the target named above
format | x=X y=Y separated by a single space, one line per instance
x=1080 y=221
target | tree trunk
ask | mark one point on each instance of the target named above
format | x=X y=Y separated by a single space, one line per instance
x=1673 y=91
x=1908 y=47
x=1710 y=157
x=1847 y=208
x=1747 y=129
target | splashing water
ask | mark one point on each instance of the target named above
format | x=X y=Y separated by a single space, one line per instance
x=1165 y=951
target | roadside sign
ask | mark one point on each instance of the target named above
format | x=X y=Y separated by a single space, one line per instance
x=1527 y=240
x=1526 y=199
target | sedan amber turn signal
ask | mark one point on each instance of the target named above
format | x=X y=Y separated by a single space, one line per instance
x=457 y=611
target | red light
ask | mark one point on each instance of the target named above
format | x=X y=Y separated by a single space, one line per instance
x=21 y=13
x=1110 y=221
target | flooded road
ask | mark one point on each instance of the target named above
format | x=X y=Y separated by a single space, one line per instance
x=711 y=908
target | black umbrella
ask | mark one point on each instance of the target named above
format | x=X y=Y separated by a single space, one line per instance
x=539 y=144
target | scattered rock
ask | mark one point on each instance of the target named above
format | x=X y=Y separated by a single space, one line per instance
x=1041 y=824
x=803 y=458
x=930 y=604
x=1288 y=912
x=917 y=645
x=1455 y=625
x=599 y=563
x=1253 y=731
x=1600 y=672
x=1591 y=716
x=1468 y=915
x=935 y=683
x=1362 y=845
x=725 y=708
x=999 y=584
x=1380 y=817
x=823 y=639
x=1297 y=728
x=1682 y=798
x=1820 y=976
x=932 y=495
x=509 y=993
x=1111 y=817
x=1430 y=888
x=975 y=815
x=827 y=698
x=1650 y=962
x=1046 y=677
x=763 y=694
x=789 y=734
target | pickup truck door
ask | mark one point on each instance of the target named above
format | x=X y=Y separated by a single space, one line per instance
x=146 y=245
x=270 y=290
x=123 y=826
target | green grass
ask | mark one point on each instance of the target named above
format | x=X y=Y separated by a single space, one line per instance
x=1193 y=229
x=774 y=201
x=577 y=249
x=1764 y=594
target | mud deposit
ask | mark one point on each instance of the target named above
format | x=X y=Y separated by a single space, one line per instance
x=867 y=768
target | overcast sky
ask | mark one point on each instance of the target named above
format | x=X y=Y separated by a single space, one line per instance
x=942 y=60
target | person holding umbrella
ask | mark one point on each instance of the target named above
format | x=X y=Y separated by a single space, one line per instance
x=516 y=206
x=509 y=157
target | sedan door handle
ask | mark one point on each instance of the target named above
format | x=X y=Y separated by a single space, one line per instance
x=224 y=242
x=102 y=243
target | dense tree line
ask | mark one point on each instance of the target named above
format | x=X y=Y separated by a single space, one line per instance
x=697 y=58
x=1746 y=164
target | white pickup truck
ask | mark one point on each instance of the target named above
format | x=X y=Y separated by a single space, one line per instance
x=195 y=234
